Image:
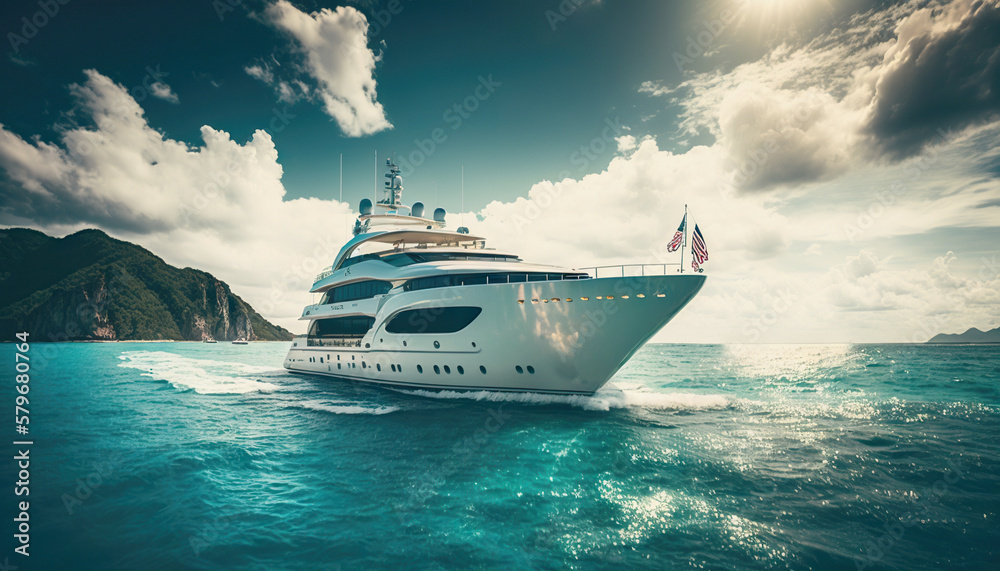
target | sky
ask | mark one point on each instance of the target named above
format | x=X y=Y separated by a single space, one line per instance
x=840 y=158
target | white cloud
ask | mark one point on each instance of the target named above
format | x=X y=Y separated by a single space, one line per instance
x=163 y=91
x=337 y=57
x=261 y=72
x=217 y=207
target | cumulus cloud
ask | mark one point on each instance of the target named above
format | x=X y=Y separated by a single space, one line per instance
x=218 y=206
x=335 y=46
x=942 y=72
x=849 y=97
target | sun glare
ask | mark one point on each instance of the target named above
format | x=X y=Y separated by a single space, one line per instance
x=768 y=16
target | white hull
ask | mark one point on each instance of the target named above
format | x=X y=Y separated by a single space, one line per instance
x=560 y=346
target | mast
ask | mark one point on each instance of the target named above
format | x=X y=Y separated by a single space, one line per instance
x=463 y=195
x=684 y=245
x=375 y=189
x=341 y=177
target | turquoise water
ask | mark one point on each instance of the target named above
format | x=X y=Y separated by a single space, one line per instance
x=185 y=455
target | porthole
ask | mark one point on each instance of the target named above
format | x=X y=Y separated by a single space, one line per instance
x=447 y=370
x=473 y=343
x=338 y=357
x=460 y=370
x=378 y=367
x=624 y=297
x=338 y=365
x=364 y=365
x=661 y=295
x=519 y=370
x=437 y=370
x=368 y=345
x=611 y=297
x=482 y=369
x=584 y=299
x=534 y=301
x=531 y=370
x=569 y=299
x=393 y=367
x=381 y=340
x=420 y=369
x=404 y=343
x=640 y=295
x=555 y=299
x=545 y=301
x=437 y=345
x=520 y=301
x=600 y=297
x=399 y=368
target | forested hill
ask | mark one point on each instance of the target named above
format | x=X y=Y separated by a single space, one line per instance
x=89 y=286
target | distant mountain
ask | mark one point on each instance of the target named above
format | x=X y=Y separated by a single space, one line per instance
x=89 y=286
x=971 y=336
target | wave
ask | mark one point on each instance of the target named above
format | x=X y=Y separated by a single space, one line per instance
x=603 y=400
x=345 y=408
x=203 y=376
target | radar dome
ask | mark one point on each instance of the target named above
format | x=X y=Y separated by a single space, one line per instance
x=417 y=209
x=439 y=214
x=366 y=207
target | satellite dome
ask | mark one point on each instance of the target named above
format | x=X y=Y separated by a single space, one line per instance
x=366 y=207
x=439 y=214
x=417 y=209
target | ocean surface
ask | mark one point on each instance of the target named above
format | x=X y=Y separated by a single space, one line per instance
x=189 y=455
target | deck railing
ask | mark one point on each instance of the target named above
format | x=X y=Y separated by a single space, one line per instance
x=630 y=270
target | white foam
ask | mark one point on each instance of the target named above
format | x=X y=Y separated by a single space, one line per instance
x=201 y=375
x=346 y=408
x=604 y=399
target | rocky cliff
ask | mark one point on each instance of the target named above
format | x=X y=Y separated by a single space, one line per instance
x=89 y=286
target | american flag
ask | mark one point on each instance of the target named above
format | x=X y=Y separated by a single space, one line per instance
x=698 y=249
x=675 y=242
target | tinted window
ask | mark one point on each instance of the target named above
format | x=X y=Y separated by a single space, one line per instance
x=341 y=327
x=433 y=320
x=357 y=290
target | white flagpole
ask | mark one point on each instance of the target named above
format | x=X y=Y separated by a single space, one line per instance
x=684 y=245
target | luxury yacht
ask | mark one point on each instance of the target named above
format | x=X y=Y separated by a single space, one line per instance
x=408 y=303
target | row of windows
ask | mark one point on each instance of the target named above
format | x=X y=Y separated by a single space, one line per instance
x=584 y=298
x=356 y=290
x=482 y=279
x=342 y=327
